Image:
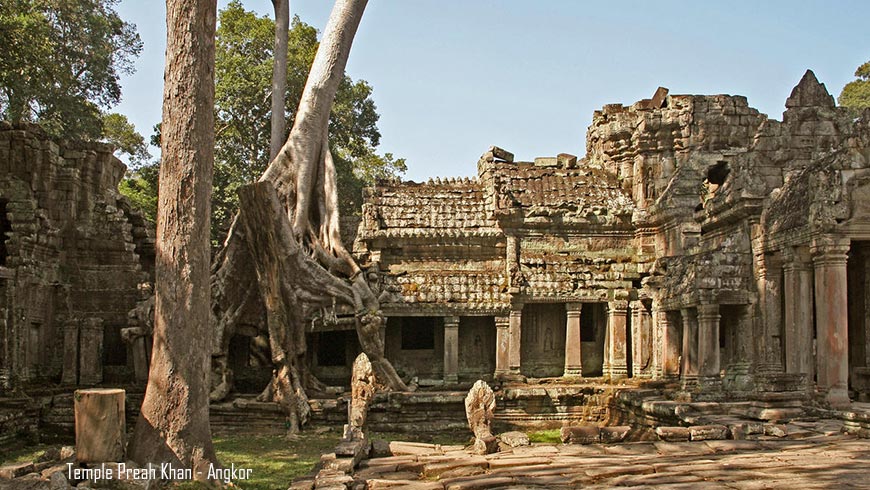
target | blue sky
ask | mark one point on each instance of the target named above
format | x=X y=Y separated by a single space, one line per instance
x=452 y=77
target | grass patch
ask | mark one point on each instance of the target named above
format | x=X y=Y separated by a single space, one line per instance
x=23 y=454
x=551 y=436
x=274 y=459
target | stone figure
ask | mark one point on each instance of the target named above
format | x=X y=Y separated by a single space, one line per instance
x=362 y=383
x=479 y=407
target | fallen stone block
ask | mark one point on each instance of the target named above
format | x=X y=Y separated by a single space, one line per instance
x=775 y=430
x=587 y=434
x=15 y=470
x=614 y=434
x=515 y=438
x=673 y=434
x=708 y=432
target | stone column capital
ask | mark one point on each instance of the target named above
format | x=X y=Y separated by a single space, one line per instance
x=573 y=308
x=708 y=312
x=451 y=322
x=502 y=321
x=828 y=250
x=617 y=307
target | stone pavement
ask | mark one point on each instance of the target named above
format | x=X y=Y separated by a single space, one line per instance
x=814 y=461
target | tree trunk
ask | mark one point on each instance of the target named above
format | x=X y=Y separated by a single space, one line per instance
x=303 y=177
x=173 y=424
x=279 y=76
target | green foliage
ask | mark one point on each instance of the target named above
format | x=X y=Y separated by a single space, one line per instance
x=856 y=94
x=121 y=133
x=549 y=436
x=140 y=187
x=61 y=61
x=243 y=75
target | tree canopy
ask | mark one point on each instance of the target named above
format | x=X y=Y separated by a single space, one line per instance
x=243 y=73
x=856 y=94
x=61 y=61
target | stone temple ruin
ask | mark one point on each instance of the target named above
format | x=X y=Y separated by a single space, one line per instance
x=72 y=255
x=697 y=240
x=699 y=248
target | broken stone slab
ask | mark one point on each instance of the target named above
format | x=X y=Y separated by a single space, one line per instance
x=775 y=430
x=614 y=434
x=673 y=434
x=566 y=160
x=479 y=408
x=501 y=154
x=708 y=432
x=586 y=434
x=434 y=470
x=514 y=438
x=10 y=471
x=546 y=162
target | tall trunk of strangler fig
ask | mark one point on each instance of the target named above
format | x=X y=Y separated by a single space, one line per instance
x=286 y=245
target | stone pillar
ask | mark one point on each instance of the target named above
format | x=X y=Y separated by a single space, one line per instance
x=451 y=349
x=617 y=312
x=502 y=346
x=708 y=343
x=689 y=354
x=516 y=317
x=70 y=374
x=768 y=274
x=91 y=351
x=642 y=365
x=573 y=345
x=670 y=354
x=798 y=315
x=832 y=326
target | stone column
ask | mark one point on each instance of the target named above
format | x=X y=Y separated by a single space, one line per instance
x=642 y=365
x=502 y=346
x=451 y=349
x=573 y=345
x=516 y=317
x=617 y=312
x=768 y=274
x=671 y=345
x=708 y=343
x=70 y=374
x=91 y=351
x=689 y=359
x=798 y=315
x=832 y=325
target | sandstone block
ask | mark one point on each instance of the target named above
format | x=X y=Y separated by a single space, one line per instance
x=614 y=434
x=775 y=430
x=15 y=470
x=708 y=432
x=587 y=434
x=514 y=438
x=673 y=434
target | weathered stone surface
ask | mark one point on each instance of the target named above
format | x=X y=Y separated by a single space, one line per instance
x=479 y=407
x=588 y=434
x=514 y=438
x=362 y=391
x=614 y=434
x=708 y=432
x=100 y=425
x=10 y=471
x=673 y=434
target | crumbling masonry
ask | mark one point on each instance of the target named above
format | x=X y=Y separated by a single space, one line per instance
x=698 y=240
x=72 y=255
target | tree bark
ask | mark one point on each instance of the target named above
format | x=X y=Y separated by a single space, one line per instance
x=173 y=425
x=303 y=176
x=279 y=76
